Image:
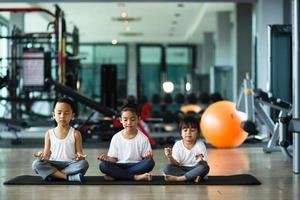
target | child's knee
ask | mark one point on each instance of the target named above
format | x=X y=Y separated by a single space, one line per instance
x=207 y=168
x=204 y=169
x=36 y=165
x=150 y=163
x=104 y=167
x=84 y=165
x=167 y=169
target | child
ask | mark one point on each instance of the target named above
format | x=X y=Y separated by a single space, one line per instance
x=129 y=156
x=188 y=158
x=62 y=157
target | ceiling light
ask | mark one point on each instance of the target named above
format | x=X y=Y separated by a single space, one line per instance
x=124 y=14
x=174 y=22
x=177 y=14
x=180 y=5
x=168 y=86
x=131 y=34
x=114 y=42
x=188 y=86
x=128 y=19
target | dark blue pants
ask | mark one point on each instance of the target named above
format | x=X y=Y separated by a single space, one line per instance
x=126 y=171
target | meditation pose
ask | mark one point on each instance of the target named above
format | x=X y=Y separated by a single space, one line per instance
x=62 y=157
x=187 y=160
x=130 y=155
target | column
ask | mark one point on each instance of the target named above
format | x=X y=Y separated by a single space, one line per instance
x=223 y=39
x=243 y=33
x=132 y=70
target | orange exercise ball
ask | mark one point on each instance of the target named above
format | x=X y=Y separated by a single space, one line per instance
x=220 y=125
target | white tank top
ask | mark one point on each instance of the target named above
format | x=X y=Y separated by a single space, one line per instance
x=62 y=149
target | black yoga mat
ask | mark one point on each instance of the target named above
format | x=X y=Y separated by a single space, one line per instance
x=239 y=179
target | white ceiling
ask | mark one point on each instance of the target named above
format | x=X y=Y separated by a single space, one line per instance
x=157 y=25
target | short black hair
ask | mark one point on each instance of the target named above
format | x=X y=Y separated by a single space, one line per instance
x=67 y=100
x=130 y=106
x=189 y=120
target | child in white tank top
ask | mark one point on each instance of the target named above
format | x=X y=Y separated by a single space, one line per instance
x=62 y=157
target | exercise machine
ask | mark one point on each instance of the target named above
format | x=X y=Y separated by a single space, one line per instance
x=253 y=102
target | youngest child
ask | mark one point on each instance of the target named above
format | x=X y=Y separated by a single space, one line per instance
x=187 y=161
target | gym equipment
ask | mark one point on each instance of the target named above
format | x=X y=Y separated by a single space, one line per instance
x=238 y=179
x=35 y=63
x=252 y=101
x=16 y=126
x=36 y=68
x=220 y=125
x=13 y=126
x=79 y=97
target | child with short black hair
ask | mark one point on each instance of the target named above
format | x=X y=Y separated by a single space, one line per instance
x=187 y=161
x=62 y=157
x=130 y=155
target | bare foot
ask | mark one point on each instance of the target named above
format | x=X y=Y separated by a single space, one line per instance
x=108 y=178
x=170 y=178
x=197 y=179
x=174 y=178
x=145 y=176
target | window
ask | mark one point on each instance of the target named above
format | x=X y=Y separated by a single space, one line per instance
x=150 y=70
x=179 y=63
x=95 y=55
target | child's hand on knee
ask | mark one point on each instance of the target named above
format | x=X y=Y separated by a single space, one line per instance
x=168 y=152
x=148 y=155
x=103 y=157
x=39 y=155
x=80 y=156
x=199 y=157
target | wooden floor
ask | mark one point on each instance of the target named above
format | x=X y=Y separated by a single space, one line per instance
x=273 y=170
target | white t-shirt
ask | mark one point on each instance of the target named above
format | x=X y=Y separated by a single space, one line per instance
x=128 y=150
x=186 y=157
x=62 y=149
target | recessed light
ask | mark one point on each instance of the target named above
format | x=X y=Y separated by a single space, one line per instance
x=177 y=14
x=174 y=22
x=124 y=14
x=128 y=19
x=180 y=5
x=114 y=42
x=131 y=34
